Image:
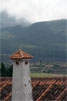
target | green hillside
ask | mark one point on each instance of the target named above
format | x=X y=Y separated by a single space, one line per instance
x=44 y=40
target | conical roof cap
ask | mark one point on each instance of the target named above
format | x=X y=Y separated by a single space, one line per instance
x=20 y=55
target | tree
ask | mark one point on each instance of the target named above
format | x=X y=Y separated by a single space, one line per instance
x=10 y=71
x=3 y=70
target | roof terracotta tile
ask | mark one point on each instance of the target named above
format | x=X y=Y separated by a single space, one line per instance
x=62 y=93
x=20 y=55
x=43 y=89
x=7 y=98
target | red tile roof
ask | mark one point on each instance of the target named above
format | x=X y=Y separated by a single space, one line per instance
x=20 y=55
x=44 y=89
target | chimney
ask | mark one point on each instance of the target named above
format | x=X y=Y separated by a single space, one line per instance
x=21 y=83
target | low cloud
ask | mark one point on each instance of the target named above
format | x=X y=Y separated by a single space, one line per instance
x=35 y=10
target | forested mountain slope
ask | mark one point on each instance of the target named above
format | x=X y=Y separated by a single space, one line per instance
x=44 y=40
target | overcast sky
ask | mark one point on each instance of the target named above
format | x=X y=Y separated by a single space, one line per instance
x=35 y=10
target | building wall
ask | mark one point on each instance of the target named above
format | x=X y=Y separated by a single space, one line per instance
x=21 y=89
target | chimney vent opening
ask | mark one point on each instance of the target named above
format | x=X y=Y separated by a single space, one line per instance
x=17 y=63
x=26 y=62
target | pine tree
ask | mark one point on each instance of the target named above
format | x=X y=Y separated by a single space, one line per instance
x=9 y=71
x=3 y=70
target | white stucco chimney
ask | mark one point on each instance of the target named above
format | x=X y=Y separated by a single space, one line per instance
x=21 y=83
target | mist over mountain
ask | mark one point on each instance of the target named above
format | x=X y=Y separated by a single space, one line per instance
x=44 y=40
x=8 y=21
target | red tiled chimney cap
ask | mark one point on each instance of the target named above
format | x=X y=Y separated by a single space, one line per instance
x=21 y=55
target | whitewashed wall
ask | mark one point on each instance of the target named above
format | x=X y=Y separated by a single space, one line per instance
x=21 y=87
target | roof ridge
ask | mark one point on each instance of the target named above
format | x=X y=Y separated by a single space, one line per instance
x=59 y=97
x=50 y=86
x=10 y=94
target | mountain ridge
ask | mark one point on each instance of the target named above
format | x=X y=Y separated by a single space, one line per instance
x=44 y=40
